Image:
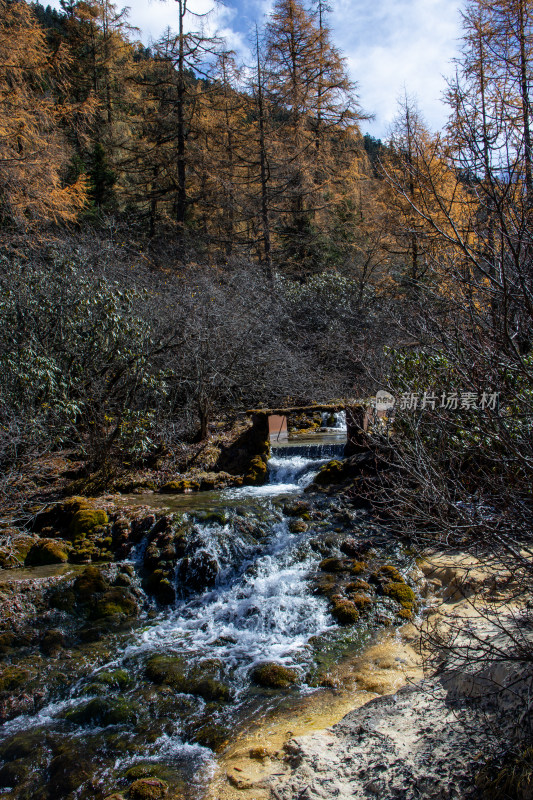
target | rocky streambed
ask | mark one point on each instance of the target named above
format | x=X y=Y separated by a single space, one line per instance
x=197 y=616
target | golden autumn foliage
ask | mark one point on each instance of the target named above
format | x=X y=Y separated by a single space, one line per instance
x=33 y=149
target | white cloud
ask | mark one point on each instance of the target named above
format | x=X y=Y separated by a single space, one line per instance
x=390 y=45
x=397 y=45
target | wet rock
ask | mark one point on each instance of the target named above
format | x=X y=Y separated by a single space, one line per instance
x=52 y=642
x=68 y=773
x=102 y=711
x=273 y=676
x=331 y=473
x=114 y=601
x=169 y=670
x=13 y=678
x=140 y=526
x=86 y=521
x=199 y=571
x=90 y=582
x=298 y=508
x=213 y=735
x=148 y=789
x=401 y=593
x=297 y=526
x=47 y=551
x=355 y=549
x=159 y=585
x=344 y=611
x=13 y=774
x=335 y=564
x=257 y=472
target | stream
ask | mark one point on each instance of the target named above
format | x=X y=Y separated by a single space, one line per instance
x=157 y=697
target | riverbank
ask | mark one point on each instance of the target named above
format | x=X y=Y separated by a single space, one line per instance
x=437 y=734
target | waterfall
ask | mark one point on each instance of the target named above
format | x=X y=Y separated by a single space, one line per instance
x=334 y=421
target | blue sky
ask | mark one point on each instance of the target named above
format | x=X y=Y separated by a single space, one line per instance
x=391 y=46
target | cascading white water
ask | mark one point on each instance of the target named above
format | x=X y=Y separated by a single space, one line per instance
x=334 y=421
x=260 y=608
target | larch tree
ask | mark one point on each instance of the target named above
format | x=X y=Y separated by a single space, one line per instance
x=33 y=111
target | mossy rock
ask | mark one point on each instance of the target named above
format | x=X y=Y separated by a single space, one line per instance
x=180 y=486
x=13 y=678
x=86 y=521
x=345 y=612
x=330 y=473
x=212 y=735
x=144 y=770
x=14 y=774
x=199 y=571
x=358 y=586
x=386 y=574
x=298 y=508
x=400 y=592
x=298 y=526
x=335 y=564
x=211 y=690
x=47 y=551
x=52 y=642
x=15 y=555
x=405 y=615
x=274 y=676
x=325 y=585
x=114 y=601
x=357 y=567
x=114 y=679
x=159 y=586
x=102 y=711
x=168 y=670
x=257 y=472
x=361 y=601
x=212 y=517
x=89 y=583
x=148 y=789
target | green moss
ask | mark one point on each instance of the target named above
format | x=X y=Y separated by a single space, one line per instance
x=325 y=585
x=102 y=711
x=148 y=789
x=297 y=526
x=390 y=573
x=345 y=612
x=358 y=586
x=87 y=521
x=12 y=678
x=211 y=690
x=357 y=567
x=361 y=601
x=170 y=670
x=404 y=614
x=115 y=679
x=146 y=770
x=47 y=551
x=90 y=582
x=330 y=473
x=257 y=472
x=15 y=554
x=114 y=601
x=334 y=565
x=400 y=592
x=274 y=676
